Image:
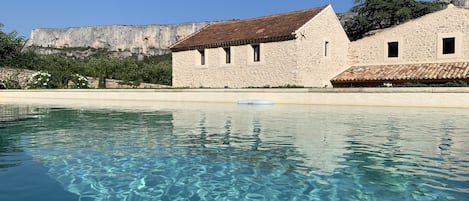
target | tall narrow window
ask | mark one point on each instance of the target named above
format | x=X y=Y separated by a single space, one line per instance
x=449 y=45
x=257 y=52
x=326 y=48
x=202 y=57
x=227 y=54
x=393 y=49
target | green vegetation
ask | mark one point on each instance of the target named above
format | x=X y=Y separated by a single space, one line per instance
x=10 y=47
x=281 y=86
x=155 y=69
x=380 y=14
x=62 y=68
x=445 y=84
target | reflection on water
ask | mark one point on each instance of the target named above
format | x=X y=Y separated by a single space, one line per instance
x=9 y=117
x=232 y=152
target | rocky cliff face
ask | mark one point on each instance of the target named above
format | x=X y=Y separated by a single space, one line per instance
x=119 y=39
x=462 y=3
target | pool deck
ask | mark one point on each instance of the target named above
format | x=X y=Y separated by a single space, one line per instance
x=457 y=97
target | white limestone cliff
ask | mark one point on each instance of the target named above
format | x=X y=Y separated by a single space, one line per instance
x=146 y=40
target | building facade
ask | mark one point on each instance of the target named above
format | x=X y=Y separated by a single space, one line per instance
x=310 y=48
x=431 y=49
x=304 y=48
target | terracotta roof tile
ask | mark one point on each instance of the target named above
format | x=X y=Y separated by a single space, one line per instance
x=256 y=30
x=427 y=71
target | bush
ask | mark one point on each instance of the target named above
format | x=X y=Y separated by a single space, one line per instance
x=79 y=82
x=10 y=84
x=445 y=84
x=40 y=80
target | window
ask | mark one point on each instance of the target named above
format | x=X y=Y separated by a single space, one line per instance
x=449 y=45
x=326 y=48
x=257 y=52
x=227 y=55
x=202 y=57
x=393 y=49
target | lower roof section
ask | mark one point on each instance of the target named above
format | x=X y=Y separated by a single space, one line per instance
x=405 y=73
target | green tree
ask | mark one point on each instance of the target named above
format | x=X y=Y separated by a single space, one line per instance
x=380 y=14
x=10 y=47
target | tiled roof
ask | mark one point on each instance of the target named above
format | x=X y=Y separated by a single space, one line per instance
x=427 y=71
x=241 y=32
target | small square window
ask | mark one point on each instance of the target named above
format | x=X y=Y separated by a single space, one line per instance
x=227 y=55
x=202 y=57
x=449 y=45
x=393 y=49
x=257 y=52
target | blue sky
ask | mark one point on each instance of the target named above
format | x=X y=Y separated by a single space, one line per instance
x=25 y=15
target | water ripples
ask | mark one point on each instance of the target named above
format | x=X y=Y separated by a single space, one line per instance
x=236 y=153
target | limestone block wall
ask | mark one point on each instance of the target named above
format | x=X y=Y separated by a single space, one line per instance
x=276 y=68
x=149 y=39
x=322 y=48
x=420 y=40
x=22 y=76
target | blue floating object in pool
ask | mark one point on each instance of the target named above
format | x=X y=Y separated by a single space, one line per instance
x=255 y=102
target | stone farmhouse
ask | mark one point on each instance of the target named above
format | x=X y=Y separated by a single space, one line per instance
x=431 y=49
x=310 y=48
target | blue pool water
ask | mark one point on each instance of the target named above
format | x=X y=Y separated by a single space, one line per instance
x=233 y=152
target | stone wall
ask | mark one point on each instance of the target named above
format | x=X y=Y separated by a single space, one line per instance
x=317 y=64
x=420 y=40
x=22 y=76
x=276 y=67
x=123 y=40
x=400 y=97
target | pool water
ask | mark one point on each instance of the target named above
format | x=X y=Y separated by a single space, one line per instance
x=233 y=152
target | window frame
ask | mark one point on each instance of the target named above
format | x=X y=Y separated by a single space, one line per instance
x=202 y=58
x=256 y=49
x=326 y=48
x=228 y=58
x=448 y=45
x=393 y=49
x=459 y=41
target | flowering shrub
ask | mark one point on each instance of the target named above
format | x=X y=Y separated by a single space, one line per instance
x=40 y=80
x=79 y=82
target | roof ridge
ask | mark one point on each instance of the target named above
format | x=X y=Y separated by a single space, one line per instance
x=274 y=15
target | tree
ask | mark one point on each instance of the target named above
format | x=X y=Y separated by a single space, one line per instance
x=10 y=47
x=380 y=14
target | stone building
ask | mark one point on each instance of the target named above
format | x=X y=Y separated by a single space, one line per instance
x=430 y=49
x=310 y=48
x=305 y=48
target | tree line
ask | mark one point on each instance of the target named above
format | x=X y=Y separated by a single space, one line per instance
x=379 y=14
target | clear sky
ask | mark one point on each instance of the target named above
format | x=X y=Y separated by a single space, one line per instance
x=25 y=15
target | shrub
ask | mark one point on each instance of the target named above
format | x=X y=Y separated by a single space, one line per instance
x=445 y=84
x=40 y=80
x=10 y=84
x=79 y=82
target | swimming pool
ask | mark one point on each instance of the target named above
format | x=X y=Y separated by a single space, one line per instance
x=233 y=152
